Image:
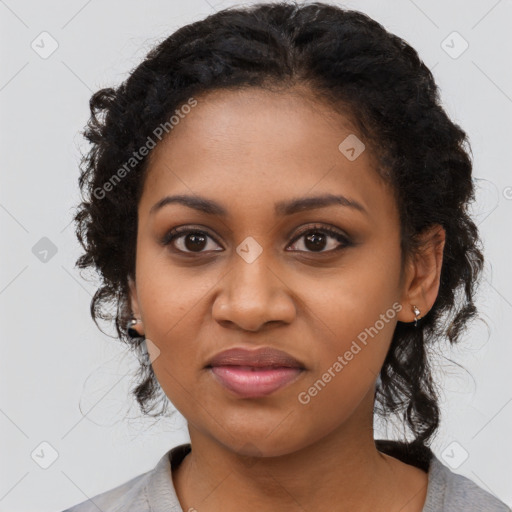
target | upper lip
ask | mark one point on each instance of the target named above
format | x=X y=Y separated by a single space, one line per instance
x=261 y=357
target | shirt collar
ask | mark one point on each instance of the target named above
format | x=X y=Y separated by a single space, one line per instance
x=162 y=497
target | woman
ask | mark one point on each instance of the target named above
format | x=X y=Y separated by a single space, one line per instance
x=276 y=202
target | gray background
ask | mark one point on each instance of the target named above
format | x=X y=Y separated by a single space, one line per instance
x=63 y=382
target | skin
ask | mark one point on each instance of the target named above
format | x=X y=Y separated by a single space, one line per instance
x=247 y=150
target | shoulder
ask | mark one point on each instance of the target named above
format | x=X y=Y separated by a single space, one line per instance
x=449 y=491
x=127 y=496
x=446 y=491
x=151 y=491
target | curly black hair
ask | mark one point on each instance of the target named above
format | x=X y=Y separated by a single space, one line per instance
x=344 y=58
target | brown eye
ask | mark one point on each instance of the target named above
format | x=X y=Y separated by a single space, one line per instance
x=189 y=240
x=316 y=239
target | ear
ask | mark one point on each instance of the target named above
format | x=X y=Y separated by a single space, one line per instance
x=422 y=275
x=134 y=301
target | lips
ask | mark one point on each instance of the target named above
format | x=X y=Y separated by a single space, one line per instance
x=254 y=373
x=264 y=357
x=252 y=382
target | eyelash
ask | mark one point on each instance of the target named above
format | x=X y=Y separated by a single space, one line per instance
x=185 y=230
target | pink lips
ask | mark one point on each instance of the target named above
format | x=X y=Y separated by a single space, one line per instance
x=252 y=382
x=254 y=373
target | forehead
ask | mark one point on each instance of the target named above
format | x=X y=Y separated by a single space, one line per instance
x=286 y=123
x=252 y=147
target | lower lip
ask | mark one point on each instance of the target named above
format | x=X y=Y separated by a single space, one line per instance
x=249 y=383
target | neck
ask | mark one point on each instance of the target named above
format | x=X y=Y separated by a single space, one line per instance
x=343 y=468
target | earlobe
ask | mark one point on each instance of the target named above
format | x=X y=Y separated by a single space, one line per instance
x=422 y=282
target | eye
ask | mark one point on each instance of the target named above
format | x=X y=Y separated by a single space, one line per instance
x=316 y=239
x=189 y=240
x=185 y=239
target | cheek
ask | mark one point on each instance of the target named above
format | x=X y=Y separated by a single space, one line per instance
x=352 y=299
x=344 y=375
x=354 y=317
x=171 y=308
x=169 y=296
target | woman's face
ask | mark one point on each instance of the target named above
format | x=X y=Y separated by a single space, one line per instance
x=265 y=275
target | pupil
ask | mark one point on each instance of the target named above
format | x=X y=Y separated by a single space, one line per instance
x=195 y=239
x=312 y=241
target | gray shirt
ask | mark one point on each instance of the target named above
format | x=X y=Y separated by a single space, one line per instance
x=154 y=491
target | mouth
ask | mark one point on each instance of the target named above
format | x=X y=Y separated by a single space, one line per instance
x=253 y=373
x=254 y=381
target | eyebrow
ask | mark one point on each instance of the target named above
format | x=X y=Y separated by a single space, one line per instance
x=283 y=208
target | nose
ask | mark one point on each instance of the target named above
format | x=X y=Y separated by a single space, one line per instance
x=253 y=295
